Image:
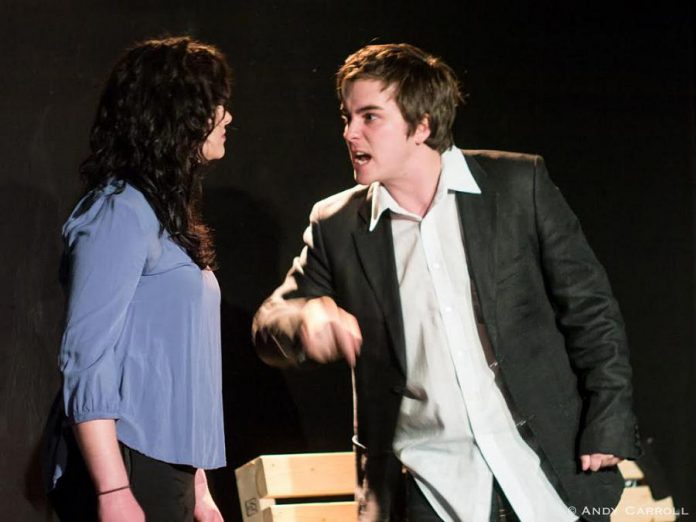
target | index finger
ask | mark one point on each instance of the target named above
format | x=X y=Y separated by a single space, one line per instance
x=345 y=342
x=351 y=324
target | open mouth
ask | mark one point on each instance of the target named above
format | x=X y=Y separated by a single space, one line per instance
x=361 y=158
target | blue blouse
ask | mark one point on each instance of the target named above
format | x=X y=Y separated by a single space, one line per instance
x=142 y=334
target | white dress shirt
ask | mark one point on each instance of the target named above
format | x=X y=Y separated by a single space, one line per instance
x=457 y=433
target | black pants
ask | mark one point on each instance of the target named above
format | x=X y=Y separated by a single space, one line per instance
x=164 y=491
x=418 y=509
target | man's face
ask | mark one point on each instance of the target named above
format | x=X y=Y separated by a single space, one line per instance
x=376 y=133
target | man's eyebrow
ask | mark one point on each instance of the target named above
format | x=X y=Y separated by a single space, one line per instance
x=361 y=110
x=367 y=108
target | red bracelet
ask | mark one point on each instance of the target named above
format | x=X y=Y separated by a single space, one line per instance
x=100 y=493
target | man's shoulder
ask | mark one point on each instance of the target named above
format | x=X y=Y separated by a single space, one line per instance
x=345 y=203
x=503 y=172
x=501 y=159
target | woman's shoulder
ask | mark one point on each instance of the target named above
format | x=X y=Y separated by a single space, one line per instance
x=116 y=202
x=129 y=199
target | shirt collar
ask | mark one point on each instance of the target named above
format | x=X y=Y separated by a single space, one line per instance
x=455 y=176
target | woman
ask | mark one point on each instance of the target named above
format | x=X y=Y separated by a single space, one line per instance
x=140 y=413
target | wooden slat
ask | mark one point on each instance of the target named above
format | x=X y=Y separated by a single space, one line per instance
x=306 y=475
x=314 y=512
x=630 y=470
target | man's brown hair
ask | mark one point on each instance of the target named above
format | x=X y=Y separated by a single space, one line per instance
x=423 y=86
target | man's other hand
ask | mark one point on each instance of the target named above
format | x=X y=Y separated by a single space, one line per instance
x=596 y=461
x=328 y=332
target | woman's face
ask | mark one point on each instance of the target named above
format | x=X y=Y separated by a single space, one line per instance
x=214 y=145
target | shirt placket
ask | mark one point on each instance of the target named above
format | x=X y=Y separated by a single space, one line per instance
x=455 y=333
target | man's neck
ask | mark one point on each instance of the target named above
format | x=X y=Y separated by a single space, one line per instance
x=416 y=190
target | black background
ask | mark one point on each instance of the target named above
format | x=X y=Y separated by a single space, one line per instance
x=605 y=91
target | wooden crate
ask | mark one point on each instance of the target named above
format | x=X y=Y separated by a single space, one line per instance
x=319 y=475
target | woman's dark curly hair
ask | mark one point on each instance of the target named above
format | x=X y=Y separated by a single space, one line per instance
x=154 y=115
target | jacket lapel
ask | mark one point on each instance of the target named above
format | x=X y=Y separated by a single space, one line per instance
x=376 y=252
x=478 y=216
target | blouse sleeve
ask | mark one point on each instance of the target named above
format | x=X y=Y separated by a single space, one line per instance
x=106 y=255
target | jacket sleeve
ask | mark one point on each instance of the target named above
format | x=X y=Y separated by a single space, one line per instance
x=106 y=254
x=589 y=317
x=276 y=323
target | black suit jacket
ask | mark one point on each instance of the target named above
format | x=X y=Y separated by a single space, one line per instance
x=549 y=314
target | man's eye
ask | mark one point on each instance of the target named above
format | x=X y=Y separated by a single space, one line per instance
x=370 y=116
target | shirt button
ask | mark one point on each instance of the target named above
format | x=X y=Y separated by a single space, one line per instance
x=436 y=266
x=448 y=309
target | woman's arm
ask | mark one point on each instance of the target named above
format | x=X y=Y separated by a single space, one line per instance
x=107 y=249
x=99 y=446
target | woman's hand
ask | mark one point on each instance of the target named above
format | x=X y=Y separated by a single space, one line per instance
x=119 y=506
x=206 y=510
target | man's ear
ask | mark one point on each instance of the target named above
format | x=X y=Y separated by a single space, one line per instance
x=422 y=131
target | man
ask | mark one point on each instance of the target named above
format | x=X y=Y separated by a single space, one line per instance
x=489 y=356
